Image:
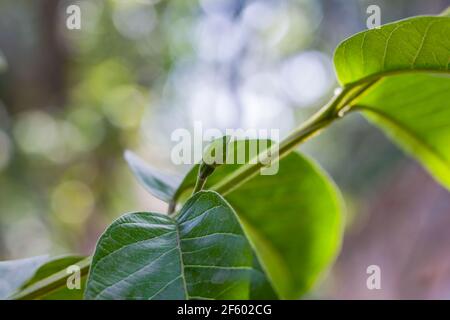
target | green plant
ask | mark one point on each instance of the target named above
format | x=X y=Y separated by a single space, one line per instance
x=215 y=244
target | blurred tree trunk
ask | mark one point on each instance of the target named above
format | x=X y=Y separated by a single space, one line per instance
x=53 y=54
x=36 y=76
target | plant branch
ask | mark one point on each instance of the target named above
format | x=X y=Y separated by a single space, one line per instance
x=335 y=109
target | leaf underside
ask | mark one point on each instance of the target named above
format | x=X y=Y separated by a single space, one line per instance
x=410 y=98
x=159 y=184
x=415 y=112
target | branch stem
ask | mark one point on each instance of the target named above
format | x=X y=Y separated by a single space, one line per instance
x=204 y=171
x=335 y=109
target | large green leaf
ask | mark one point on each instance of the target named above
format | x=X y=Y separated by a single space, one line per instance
x=159 y=184
x=407 y=64
x=293 y=218
x=419 y=44
x=202 y=254
x=14 y=273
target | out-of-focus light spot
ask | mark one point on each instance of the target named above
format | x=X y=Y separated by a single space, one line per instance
x=25 y=231
x=100 y=80
x=134 y=19
x=263 y=106
x=203 y=93
x=72 y=202
x=70 y=142
x=90 y=125
x=180 y=36
x=307 y=77
x=212 y=104
x=219 y=38
x=5 y=150
x=124 y=107
x=258 y=15
x=285 y=27
x=36 y=132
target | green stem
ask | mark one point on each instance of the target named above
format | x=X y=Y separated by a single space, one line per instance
x=199 y=185
x=204 y=171
x=335 y=109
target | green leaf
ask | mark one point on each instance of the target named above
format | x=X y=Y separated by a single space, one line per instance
x=201 y=254
x=407 y=65
x=414 y=110
x=419 y=44
x=54 y=266
x=157 y=183
x=14 y=273
x=293 y=218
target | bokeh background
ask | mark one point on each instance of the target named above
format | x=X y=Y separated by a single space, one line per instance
x=71 y=101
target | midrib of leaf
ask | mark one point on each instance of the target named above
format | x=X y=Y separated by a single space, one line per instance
x=178 y=248
x=180 y=227
x=383 y=74
x=183 y=276
x=185 y=211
